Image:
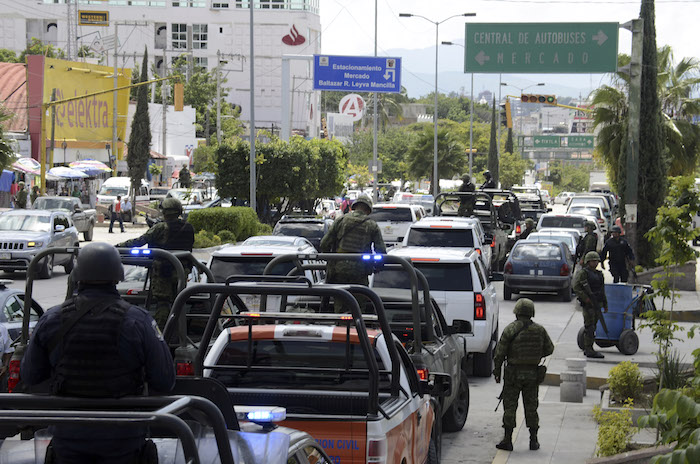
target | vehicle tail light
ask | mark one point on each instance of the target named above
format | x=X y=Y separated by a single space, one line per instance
x=564 y=271
x=493 y=244
x=13 y=377
x=508 y=269
x=376 y=450
x=518 y=229
x=184 y=369
x=478 y=250
x=479 y=307
x=423 y=373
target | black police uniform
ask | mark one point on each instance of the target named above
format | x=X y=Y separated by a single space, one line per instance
x=109 y=352
x=619 y=252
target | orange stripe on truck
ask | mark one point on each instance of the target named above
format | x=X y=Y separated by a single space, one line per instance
x=344 y=442
x=261 y=332
x=340 y=334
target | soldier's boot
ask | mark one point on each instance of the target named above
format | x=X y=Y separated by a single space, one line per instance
x=593 y=354
x=507 y=442
x=534 y=444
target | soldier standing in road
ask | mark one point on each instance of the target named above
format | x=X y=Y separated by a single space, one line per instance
x=466 y=204
x=354 y=232
x=35 y=194
x=620 y=255
x=529 y=228
x=489 y=183
x=171 y=234
x=590 y=290
x=21 y=197
x=97 y=345
x=588 y=242
x=523 y=344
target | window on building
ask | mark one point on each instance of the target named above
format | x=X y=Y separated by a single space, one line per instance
x=190 y=3
x=201 y=62
x=274 y=4
x=219 y=5
x=200 y=34
x=179 y=35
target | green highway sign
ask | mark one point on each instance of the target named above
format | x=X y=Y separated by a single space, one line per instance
x=546 y=141
x=580 y=141
x=540 y=47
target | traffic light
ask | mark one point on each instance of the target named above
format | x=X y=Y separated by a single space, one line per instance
x=536 y=98
x=506 y=118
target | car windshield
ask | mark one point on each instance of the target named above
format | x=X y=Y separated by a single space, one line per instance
x=25 y=223
x=439 y=237
x=184 y=196
x=535 y=251
x=391 y=214
x=113 y=191
x=53 y=203
x=523 y=190
x=566 y=238
x=602 y=202
x=595 y=212
x=309 y=230
x=563 y=221
x=442 y=276
x=159 y=191
x=223 y=267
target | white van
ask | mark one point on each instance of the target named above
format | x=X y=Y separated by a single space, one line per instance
x=394 y=219
x=121 y=186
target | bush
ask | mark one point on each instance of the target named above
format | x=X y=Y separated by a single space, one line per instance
x=227 y=236
x=204 y=239
x=625 y=381
x=264 y=229
x=614 y=430
x=240 y=220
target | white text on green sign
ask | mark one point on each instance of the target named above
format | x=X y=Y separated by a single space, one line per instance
x=544 y=141
x=540 y=47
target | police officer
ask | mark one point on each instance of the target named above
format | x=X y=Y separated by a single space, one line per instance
x=588 y=243
x=352 y=233
x=523 y=344
x=489 y=183
x=590 y=290
x=529 y=228
x=620 y=254
x=96 y=345
x=21 y=201
x=466 y=204
x=170 y=234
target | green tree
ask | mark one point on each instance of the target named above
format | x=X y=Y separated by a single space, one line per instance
x=140 y=137
x=420 y=156
x=513 y=169
x=509 y=142
x=493 y=150
x=204 y=159
x=7 y=154
x=7 y=56
x=392 y=145
x=37 y=47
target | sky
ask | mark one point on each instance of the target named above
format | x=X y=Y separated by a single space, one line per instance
x=348 y=25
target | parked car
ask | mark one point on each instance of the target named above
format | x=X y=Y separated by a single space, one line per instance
x=327 y=207
x=563 y=198
x=121 y=186
x=310 y=227
x=539 y=266
x=394 y=219
x=605 y=203
x=12 y=303
x=188 y=196
x=83 y=219
x=544 y=194
x=158 y=193
x=571 y=221
x=591 y=210
x=569 y=239
x=25 y=232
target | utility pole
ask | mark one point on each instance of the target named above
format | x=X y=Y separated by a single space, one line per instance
x=164 y=94
x=115 y=100
x=218 y=97
x=71 y=29
x=375 y=167
x=471 y=128
x=53 y=126
x=498 y=123
x=253 y=176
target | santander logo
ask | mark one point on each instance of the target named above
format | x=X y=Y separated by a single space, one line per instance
x=293 y=38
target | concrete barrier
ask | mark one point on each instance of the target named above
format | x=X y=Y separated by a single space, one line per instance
x=640 y=456
x=686 y=282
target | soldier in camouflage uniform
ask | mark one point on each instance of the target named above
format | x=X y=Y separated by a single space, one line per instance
x=590 y=290
x=354 y=232
x=171 y=234
x=523 y=344
x=589 y=242
x=21 y=197
x=466 y=204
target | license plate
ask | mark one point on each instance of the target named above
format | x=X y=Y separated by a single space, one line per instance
x=5 y=255
x=388 y=229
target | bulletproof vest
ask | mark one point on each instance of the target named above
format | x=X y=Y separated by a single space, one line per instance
x=90 y=365
x=352 y=236
x=527 y=347
x=595 y=281
x=180 y=236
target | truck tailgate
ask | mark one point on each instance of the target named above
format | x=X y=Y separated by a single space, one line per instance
x=344 y=441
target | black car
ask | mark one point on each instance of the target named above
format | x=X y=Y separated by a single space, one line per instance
x=311 y=228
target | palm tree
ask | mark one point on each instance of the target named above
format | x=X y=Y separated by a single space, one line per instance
x=420 y=155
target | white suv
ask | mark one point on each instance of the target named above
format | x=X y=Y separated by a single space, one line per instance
x=394 y=219
x=450 y=232
x=459 y=284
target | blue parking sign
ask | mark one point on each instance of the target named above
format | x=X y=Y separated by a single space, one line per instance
x=357 y=73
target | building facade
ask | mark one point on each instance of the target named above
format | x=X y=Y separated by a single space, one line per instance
x=202 y=33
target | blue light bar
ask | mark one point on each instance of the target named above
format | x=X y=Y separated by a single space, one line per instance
x=135 y=251
x=261 y=414
x=146 y=252
x=378 y=257
x=366 y=257
x=140 y=251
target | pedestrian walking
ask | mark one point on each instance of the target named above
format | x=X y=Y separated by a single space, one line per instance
x=620 y=254
x=489 y=183
x=522 y=346
x=97 y=345
x=21 y=197
x=588 y=242
x=529 y=229
x=115 y=212
x=590 y=290
x=171 y=234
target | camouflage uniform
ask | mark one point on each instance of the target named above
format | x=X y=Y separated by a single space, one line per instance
x=589 y=242
x=523 y=344
x=35 y=194
x=163 y=282
x=589 y=286
x=21 y=201
x=466 y=204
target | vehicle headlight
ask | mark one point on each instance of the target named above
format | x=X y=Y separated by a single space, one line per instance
x=34 y=244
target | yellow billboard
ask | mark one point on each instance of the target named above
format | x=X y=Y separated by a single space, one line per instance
x=87 y=119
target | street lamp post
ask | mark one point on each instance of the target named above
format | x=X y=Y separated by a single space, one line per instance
x=523 y=89
x=436 y=179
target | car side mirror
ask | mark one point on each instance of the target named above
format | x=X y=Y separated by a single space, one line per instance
x=460 y=326
x=496 y=277
x=438 y=385
x=59 y=228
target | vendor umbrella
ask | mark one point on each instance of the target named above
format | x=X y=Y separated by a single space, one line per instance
x=90 y=167
x=27 y=165
x=67 y=173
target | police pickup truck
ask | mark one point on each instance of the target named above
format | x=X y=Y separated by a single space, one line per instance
x=354 y=389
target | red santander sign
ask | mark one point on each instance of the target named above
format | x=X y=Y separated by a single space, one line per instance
x=294 y=37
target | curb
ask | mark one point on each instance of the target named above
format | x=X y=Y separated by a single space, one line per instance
x=592 y=383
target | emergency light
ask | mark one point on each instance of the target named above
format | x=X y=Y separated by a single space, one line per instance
x=376 y=257
x=140 y=251
x=261 y=414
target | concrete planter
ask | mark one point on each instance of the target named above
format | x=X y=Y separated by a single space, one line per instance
x=640 y=456
x=687 y=282
x=605 y=406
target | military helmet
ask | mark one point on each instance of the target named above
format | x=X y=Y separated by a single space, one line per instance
x=524 y=307
x=21 y=183
x=363 y=200
x=171 y=207
x=487 y=174
x=98 y=262
x=590 y=224
x=529 y=222
x=591 y=256
x=617 y=229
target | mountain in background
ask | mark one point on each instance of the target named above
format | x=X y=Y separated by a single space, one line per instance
x=451 y=77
